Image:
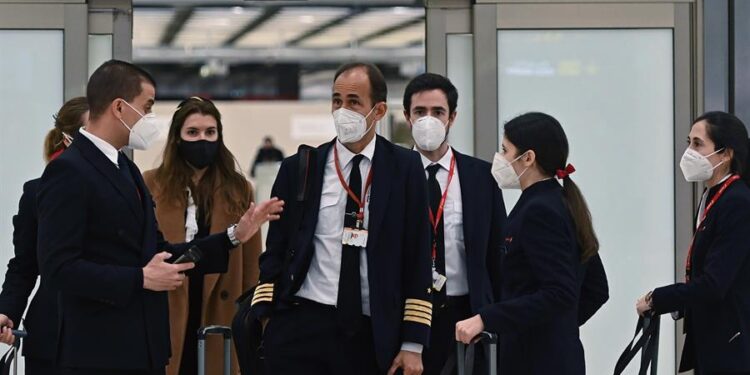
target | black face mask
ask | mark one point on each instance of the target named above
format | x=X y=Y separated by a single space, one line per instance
x=200 y=154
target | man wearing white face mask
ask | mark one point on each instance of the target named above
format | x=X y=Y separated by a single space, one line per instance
x=466 y=212
x=98 y=241
x=347 y=290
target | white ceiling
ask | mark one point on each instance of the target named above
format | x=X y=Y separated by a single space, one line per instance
x=211 y=27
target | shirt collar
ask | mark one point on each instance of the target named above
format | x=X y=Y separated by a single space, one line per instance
x=444 y=162
x=107 y=149
x=345 y=156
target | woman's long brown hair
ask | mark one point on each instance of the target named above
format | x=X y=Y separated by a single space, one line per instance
x=175 y=174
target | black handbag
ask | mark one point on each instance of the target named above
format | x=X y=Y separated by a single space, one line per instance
x=647 y=344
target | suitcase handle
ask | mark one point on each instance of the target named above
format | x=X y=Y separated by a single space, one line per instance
x=203 y=332
x=465 y=356
x=214 y=330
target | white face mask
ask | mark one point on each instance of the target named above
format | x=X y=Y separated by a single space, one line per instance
x=504 y=174
x=144 y=132
x=350 y=126
x=428 y=133
x=696 y=167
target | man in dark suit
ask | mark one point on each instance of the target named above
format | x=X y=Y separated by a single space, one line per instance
x=98 y=241
x=466 y=211
x=347 y=290
x=268 y=153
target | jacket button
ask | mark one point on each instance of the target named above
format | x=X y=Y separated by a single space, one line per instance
x=224 y=295
x=291 y=277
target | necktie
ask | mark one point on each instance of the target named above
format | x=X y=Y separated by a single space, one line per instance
x=124 y=168
x=349 y=305
x=435 y=194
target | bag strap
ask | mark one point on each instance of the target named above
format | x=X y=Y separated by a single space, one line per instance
x=647 y=344
x=465 y=358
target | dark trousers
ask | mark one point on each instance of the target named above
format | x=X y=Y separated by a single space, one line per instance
x=307 y=340
x=36 y=366
x=75 y=371
x=443 y=334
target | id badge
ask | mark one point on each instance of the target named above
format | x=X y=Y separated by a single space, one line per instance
x=438 y=281
x=354 y=237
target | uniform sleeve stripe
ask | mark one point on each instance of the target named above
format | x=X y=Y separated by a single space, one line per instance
x=264 y=299
x=418 y=315
x=263 y=295
x=413 y=301
x=417 y=320
x=264 y=287
x=419 y=308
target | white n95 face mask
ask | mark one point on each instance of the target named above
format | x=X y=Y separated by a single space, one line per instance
x=144 y=132
x=350 y=126
x=696 y=167
x=504 y=174
x=428 y=133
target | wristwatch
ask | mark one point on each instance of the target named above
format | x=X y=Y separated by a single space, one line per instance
x=231 y=235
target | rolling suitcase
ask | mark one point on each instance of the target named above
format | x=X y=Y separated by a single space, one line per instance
x=9 y=362
x=203 y=333
x=647 y=344
x=465 y=354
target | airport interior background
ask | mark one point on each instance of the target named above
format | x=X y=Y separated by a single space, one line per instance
x=625 y=78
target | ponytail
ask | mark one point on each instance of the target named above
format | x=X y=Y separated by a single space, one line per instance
x=579 y=210
x=53 y=143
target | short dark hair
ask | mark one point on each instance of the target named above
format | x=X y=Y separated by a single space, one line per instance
x=378 y=89
x=114 y=79
x=431 y=81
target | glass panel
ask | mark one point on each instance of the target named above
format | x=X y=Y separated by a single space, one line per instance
x=460 y=64
x=31 y=91
x=612 y=90
x=100 y=50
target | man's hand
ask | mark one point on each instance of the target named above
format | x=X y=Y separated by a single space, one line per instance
x=6 y=334
x=160 y=276
x=467 y=330
x=257 y=215
x=410 y=362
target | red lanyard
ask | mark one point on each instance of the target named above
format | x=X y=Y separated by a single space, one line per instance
x=435 y=219
x=360 y=202
x=724 y=186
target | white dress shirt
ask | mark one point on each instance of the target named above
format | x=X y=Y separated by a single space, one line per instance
x=107 y=149
x=453 y=226
x=322 y=281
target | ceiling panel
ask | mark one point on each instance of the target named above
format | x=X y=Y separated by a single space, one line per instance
x=400 y=38
x=289 y=24
x=149 y=25
x=362 y=25
x=210 y=27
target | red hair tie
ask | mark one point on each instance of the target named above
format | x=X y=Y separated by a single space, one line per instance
x=56 y=154
x=563 y=173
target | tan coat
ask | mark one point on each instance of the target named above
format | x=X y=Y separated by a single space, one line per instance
x=219 y=290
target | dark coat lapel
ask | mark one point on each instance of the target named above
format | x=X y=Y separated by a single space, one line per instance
x=100 y=161
x=382 y=180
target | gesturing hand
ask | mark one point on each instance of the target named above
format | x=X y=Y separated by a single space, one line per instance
x=257 y=215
